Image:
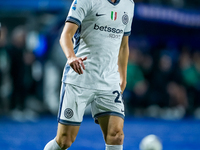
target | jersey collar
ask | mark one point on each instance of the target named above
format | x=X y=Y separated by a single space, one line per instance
x=117 y=2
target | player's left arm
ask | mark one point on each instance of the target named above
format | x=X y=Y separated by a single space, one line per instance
x=123 y=61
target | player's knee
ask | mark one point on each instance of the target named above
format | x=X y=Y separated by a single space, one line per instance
x=65 y=141
x=115 y=137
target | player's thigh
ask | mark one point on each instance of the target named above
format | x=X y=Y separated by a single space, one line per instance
x=66 y=133
x=73 y=102
x=111 y=125
x=108 y=103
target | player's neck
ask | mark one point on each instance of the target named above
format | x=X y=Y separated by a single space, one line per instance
x=113 y=1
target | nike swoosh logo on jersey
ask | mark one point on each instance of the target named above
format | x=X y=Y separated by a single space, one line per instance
x=99 y=14
x=122 y=110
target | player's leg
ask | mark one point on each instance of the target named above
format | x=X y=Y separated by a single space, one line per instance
x=112 y=128
x=108 y=111
x=66 y=135
x=52 y=145
x=73 y=101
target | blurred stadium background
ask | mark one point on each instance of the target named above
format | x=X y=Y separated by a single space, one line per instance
x=163 y=89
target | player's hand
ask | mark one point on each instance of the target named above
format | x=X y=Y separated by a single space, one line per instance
x=77 y=64
x=123 y=86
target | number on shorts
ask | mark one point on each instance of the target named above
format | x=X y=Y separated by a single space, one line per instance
x=117 y=98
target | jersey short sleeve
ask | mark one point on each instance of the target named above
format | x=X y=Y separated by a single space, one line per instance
x=127 y=30
x=79 y=9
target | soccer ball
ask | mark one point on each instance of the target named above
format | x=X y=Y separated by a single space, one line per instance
x=150 y=142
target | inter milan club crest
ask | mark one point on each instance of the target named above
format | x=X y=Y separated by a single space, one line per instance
x=125 y=18
x=113 y=15
x=68 y=113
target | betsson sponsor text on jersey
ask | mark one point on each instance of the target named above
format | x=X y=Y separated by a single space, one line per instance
x=108 y=29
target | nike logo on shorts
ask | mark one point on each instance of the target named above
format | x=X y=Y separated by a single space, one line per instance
x=99 y=14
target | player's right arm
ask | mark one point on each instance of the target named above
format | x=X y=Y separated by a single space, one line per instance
x=67 y=46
